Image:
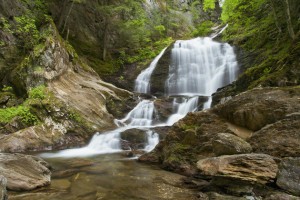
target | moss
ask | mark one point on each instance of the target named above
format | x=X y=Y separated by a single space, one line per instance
x=37 y=92
x=7 y=114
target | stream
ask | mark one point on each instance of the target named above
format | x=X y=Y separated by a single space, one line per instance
x=198 y=67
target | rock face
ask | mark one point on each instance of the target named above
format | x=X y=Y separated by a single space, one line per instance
x=3 y=182
x=280 y=139
x=228 y=144
x=24 y=172
x=65 y=117
x=288 y=175
x=255 y=168
x=258 y=107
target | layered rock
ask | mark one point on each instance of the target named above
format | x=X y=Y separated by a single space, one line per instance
x=24 y=172
x=259 y=168
x=65 y=117
x=288 y=175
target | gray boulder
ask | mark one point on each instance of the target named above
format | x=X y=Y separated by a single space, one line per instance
x=288 y=177
x=228 y=144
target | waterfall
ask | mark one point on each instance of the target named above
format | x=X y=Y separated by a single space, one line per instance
x=198 y=68
x=142 y=83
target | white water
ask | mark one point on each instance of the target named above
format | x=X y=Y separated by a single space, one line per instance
x=198 y=68
x=142 y=83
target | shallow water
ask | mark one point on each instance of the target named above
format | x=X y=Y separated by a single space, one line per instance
x=108 y=177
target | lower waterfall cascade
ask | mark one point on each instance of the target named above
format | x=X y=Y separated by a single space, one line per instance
x=198 y=67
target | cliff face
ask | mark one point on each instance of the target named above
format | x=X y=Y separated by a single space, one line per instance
x=49 y=97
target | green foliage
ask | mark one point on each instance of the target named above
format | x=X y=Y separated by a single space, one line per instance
x=27 y=31
x=203 y=29
x=4 y=24
x=146 y=53
x=7 y=88
x=37 y=92
x=7 y=114
x=208 y=4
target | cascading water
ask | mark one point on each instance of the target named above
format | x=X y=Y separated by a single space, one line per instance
x=198 y=68
x=142 y=83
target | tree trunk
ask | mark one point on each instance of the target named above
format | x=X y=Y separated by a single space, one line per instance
x=105 y=40
x=67 y=18
x=289 y=20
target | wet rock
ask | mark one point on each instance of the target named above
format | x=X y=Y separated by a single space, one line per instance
x=187 y=141
x=288 y=177
x=232 y=186
x=258 y=107
x=3 y=182
x=134 y=139
x=228 y=144
x=255 y=168
x=64 y=173
x=79 y=162
x=280 y=139
x=24 y=172
x=164 y=108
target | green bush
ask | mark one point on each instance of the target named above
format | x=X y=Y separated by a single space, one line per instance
x=204 y=29
x=37 y=92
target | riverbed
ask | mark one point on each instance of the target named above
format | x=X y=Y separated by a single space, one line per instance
x=108 y=177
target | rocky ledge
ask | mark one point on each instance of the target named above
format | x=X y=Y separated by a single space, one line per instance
x=240 y=146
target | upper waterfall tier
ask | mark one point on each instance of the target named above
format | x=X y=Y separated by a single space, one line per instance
x=142 y=83
x=199 y=67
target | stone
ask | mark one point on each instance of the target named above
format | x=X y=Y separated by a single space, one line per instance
x=280 y=139
x=253 y=168
x=228 y=144
x=288 y=177
x=256 y=108
x=24 y=172
x=187 y=141
x=134 y=139
x=216 y=196
x=3 y=192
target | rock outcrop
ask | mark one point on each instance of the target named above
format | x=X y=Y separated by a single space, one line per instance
x=255 y=168
x=24 y=172
x=258 y=107
x=280 y=139
x=63 y=118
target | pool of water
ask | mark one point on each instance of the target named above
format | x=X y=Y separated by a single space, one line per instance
x=108 y=177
